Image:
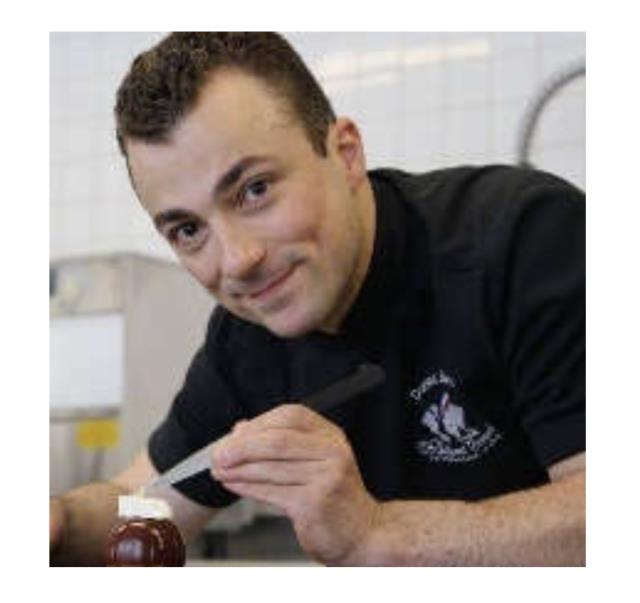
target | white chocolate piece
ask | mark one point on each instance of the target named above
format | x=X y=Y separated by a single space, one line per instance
x=147 y=508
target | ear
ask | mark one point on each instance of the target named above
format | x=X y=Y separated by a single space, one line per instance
x=346 y=145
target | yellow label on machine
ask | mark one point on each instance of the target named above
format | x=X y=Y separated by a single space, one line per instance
x=101 y=433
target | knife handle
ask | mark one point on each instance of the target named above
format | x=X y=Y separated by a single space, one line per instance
x=366 y=377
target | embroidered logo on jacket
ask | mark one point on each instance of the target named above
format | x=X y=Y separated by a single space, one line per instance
x=447 y=432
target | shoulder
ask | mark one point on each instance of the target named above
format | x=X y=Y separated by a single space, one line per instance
x=474 y=188
x=465 y=208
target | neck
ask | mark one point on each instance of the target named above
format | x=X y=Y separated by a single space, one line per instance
x=359 y=273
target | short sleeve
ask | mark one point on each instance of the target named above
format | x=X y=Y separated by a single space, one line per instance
x=203 y=410
x=540 y=243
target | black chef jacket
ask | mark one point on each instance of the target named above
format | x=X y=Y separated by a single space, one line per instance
x=474 y=305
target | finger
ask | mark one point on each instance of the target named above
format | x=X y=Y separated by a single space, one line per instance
x=289 y=416
x=270 y=444
x=240 y=425
x=272 y=494
x=283 y=473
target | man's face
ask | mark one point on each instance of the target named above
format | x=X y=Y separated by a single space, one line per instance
x=279 y=235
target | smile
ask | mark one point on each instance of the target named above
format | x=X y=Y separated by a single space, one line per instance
x=272 y=286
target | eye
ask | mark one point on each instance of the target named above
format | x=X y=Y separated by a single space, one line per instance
x=255 y=193
x=186 y=236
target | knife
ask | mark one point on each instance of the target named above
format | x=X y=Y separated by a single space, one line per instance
x=366 y=377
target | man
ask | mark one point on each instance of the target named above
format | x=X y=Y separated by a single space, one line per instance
x=465 y=285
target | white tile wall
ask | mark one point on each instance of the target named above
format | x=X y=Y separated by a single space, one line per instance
x=422 y=100
x=505 y=117
x=513 y=74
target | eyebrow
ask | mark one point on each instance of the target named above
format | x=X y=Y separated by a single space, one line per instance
x=171 y=215
x=226 y=181
x=234 y=173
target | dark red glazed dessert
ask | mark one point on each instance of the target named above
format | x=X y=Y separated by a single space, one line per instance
x=145 y=536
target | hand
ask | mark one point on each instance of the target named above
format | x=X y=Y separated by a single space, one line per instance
x=296 y=460
x=56 y=523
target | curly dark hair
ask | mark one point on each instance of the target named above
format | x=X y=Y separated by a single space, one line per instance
x=164 y=82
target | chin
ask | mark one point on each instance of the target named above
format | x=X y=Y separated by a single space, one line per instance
x=288 y=330
x=281 y=324
x=289 y=325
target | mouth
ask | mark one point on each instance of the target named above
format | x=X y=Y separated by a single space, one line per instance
x=272 y=286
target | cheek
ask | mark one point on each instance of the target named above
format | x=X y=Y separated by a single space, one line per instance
x=201 y=271
x=298 y=221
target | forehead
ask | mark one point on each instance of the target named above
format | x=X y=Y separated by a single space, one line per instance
x=236 y=115
x=232 y=102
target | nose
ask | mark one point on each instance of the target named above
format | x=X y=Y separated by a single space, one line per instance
x=240 y=251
